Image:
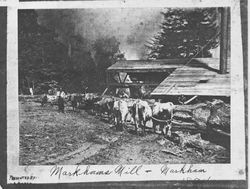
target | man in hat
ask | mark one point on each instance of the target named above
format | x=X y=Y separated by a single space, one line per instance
x=60 y=96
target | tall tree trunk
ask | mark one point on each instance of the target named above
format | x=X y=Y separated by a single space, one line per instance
x=69 y=50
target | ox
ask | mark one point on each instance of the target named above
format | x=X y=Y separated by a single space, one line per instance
x=44 y=100
x=51 y=99
x=120 y=111
x=90 y=99
x=123 y=92
x=162 y=116
x=105 y=105
x=75 y=100
x=141 y=113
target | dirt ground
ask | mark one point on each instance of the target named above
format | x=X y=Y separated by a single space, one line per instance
x=48 y=137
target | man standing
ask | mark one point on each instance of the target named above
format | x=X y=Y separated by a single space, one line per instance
x=60 y=95
x=31 y=91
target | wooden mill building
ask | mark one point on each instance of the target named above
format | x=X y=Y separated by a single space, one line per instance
x=171 y=77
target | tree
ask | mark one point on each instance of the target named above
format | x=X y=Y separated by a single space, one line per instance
x=186 y=33
x=41 y=56
x=80 y=70
x=106 y=52
x=47 y=56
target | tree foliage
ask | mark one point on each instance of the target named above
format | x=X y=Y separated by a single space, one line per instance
x=41 y=57
x=73 y=63
x=185 y=33
x=106 y=53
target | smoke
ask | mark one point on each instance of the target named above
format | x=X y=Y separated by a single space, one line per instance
x=132 y=27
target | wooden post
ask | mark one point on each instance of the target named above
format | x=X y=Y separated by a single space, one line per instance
x=105 y=91
x=119 y=77
x=107 y=78
x=224 y=37
x=124 y=80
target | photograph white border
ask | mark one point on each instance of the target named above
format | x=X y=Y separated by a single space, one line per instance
x=236 y=170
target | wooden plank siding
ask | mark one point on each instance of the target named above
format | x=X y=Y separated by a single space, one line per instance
x=189 y=80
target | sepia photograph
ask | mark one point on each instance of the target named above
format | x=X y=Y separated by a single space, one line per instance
x=124 y=86
x=119 y=92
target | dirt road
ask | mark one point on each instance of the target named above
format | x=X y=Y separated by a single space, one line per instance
x=48 y=137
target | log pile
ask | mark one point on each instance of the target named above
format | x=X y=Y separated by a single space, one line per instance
x=202 y=117
x=220 y=116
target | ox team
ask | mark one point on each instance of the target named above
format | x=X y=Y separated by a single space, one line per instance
x=118 y=109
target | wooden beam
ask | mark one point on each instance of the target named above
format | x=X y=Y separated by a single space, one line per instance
x=119 y=77
x=105 y=91
x=125 y=78
x=224 y=37
x=132 y=84
x=191 y=99
x=141 y=70
x=107 y=78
